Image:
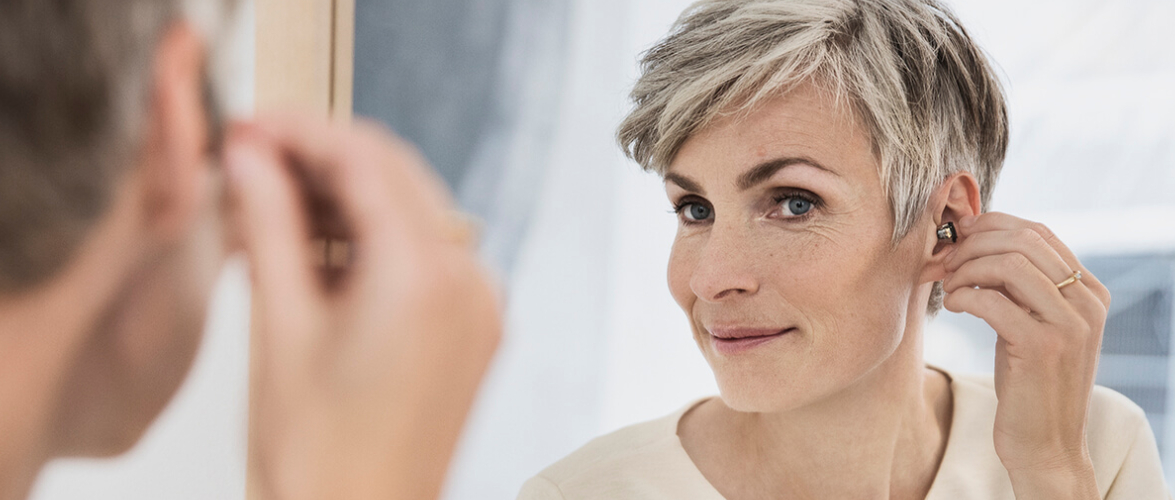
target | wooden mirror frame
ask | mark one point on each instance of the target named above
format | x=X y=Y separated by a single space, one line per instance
x=305 y=55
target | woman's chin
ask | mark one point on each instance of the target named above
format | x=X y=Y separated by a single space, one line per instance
x=763 y=393
x=768 y=378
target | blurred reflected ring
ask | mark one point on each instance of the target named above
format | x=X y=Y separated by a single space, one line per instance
x=1073 y=278
x=462 y=229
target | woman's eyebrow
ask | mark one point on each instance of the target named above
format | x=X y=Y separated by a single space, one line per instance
x=765 y=170
x=685 y=183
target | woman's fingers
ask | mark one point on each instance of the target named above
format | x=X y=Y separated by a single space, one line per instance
x=1023 y=241
x=1024 y=261
x=1005 y=317
x=394 y=211
x=1025 y=284
x=380 y=185
x=998 y=221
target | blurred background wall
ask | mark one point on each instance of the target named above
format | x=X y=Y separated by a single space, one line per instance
x=516 y=101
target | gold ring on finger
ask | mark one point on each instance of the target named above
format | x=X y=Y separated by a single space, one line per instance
x=1073 y=278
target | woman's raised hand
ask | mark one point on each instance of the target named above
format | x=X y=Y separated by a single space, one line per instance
x=366 y=364
x=1006 y=271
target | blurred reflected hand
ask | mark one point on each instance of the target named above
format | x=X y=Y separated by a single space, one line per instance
x=366 y=365
x=1006 y=271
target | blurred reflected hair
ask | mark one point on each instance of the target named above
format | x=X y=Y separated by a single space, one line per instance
x=912 y=74
x=74 y=96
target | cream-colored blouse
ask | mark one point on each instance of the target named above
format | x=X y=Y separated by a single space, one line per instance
x=646 y=461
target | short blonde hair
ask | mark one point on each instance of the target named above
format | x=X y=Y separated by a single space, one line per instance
x=921 y=86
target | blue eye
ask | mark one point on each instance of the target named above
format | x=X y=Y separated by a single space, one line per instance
x=795 y=206
x=697 y=212
x=692 y=212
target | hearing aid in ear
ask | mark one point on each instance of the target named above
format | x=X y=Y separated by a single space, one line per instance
x=947 y=232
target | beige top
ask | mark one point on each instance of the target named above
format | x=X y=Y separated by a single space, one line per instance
x=647 y=461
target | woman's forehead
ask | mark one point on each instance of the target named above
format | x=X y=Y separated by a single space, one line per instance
x=805 y=125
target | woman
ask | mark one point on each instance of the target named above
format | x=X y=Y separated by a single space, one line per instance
x=831 y=162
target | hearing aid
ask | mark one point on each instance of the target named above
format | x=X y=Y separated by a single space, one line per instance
x=947 y=232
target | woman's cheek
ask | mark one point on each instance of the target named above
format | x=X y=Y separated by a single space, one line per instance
x=805 y=262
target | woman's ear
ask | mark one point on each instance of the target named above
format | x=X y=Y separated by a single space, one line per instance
x=176 y=159
x=956 y=198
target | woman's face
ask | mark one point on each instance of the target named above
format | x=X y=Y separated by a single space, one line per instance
x=783 y=259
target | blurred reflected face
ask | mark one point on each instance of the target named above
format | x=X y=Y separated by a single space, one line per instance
x=145 y=345
x=783 y=259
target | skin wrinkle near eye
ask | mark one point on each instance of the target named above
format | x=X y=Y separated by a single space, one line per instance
x=830 y=233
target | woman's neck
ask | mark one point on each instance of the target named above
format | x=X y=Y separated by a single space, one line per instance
x=883 y=437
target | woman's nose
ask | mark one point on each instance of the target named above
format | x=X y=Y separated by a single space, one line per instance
x=725 y=268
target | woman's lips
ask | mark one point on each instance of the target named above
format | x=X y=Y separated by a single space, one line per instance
x=737 y=340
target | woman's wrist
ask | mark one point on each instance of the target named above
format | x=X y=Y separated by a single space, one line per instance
x=1076 y=481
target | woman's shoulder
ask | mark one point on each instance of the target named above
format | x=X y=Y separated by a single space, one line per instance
x=645 y=457
x=615 y=449
x=1121 y=443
